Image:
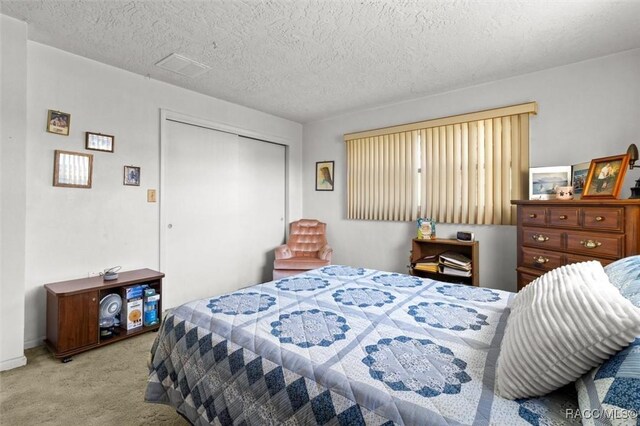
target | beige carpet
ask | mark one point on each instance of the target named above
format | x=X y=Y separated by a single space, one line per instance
x=104 y=386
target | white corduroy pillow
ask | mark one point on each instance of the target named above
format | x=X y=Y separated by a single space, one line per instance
x=562 y=325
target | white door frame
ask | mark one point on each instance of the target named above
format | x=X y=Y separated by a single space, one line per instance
x=166 y=114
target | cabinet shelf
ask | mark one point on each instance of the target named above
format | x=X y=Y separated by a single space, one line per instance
x=422 y=248
x=73 y=311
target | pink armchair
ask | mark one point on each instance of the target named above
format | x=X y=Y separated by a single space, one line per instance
x=306 y=249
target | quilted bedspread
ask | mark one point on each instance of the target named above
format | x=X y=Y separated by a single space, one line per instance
x=342 y=345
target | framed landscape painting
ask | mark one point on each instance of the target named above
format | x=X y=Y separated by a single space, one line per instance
x=543 y=181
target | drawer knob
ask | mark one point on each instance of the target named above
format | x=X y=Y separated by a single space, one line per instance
x=533 y=215
x=599 y=218
x=541 y=260
x=93 y=299
x=562 y=217
x=539 y=238
x=590 y=244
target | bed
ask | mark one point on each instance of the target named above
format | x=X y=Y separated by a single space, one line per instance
x=343 y=345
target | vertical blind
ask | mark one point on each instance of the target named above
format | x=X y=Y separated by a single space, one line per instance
x=460 y=169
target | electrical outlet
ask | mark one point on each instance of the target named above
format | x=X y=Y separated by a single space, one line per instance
x=151 y=195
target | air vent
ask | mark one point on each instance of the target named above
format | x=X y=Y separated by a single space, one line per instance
x=183 y=66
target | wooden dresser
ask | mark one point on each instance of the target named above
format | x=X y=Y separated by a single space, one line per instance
x=554 y=233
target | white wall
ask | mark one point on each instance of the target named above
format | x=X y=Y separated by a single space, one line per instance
x=586 y=110
x=13 y=114
x=71 y=232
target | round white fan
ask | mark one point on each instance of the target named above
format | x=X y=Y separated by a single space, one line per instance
x=110 y=306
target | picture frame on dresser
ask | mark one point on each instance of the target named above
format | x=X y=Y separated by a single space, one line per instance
x=543 y=181
x=578 y=177
x=605 y=177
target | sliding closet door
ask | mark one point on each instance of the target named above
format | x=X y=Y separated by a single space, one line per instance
x=261 y=208
x=223 y=205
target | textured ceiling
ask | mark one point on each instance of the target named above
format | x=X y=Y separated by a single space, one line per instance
x=307 y=60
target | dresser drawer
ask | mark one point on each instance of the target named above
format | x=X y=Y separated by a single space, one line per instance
x=594 y=244
x=540 y=259
x=602 y=218
x=524 y=279
x=544 y=238
x=576 y=258
x=566 y=217
x=533 y=215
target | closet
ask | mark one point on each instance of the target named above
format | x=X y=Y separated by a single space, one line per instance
x=223 y=210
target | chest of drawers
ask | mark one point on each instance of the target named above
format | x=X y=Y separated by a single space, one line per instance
x=555 y=233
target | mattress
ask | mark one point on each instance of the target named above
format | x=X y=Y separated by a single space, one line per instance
x=342 y=345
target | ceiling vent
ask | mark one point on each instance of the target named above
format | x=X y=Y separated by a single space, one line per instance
x=183 y=66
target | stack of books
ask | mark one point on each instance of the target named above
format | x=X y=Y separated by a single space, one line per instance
x=427 y=264
x=452 y=263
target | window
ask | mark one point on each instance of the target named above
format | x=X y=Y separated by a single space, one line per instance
x=460 y=169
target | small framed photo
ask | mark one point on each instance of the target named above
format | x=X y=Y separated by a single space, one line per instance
x=426 y=229
x=72 y=169
x=99 y=142
x=58 y=122
x=578 y=178
x=324 y=176
x=605 y=177
x=543 y=181
x=132 y=175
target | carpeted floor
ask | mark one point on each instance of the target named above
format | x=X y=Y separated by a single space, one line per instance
x=104 y=386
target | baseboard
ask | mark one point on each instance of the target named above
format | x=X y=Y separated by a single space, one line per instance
x=13 y=363
x=28 y=344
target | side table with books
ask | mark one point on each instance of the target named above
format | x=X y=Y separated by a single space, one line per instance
x=445 y=260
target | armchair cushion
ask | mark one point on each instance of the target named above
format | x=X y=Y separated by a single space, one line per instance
x=303 y=263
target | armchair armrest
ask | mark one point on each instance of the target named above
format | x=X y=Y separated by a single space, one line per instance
x=283 y=252
x=325 y=252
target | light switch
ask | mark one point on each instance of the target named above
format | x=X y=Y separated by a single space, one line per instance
x=151 y=195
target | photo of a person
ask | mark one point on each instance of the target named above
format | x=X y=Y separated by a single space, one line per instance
x=132 y=175
x=58 y=122
x=605 y=177
x=324 y=176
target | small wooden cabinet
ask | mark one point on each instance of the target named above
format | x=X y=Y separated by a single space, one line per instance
x=422 y=248
x=73 y=311
x=553 y=233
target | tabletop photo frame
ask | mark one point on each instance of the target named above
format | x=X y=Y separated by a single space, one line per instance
x=605 y=177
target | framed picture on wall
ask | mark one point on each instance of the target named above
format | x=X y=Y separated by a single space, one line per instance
x=543 y=181
x=605 y=177
x=72 y=169
x=324 y=176
x=132 y=175
x=58 y=122
x=99 y=142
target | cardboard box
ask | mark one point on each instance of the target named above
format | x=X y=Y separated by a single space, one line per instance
x=131 y=315
x=132 y=292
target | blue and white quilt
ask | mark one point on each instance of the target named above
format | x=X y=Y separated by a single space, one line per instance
x=342 y=345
